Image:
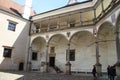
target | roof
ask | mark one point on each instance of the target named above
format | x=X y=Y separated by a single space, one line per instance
x=13 y=7
x=68 y=5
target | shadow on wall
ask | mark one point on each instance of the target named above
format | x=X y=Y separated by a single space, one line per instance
x=7 y=64
x=19 y=51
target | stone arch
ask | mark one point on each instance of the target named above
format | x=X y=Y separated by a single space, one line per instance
x=105 y=25
x=37 y=43
x=56 y=35
x=37 y=36
x=83 y=44
x=57 y=49
x=38 y=48
x=78 y=32
x=107 y=47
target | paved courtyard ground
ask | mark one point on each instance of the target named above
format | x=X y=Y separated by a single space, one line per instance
x=15 y=75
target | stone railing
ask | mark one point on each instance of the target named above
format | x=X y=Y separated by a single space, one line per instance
x=62 y=26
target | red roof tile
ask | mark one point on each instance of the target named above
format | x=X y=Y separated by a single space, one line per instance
x=13 y=7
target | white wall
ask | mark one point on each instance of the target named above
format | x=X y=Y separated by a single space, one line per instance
x=17 y=39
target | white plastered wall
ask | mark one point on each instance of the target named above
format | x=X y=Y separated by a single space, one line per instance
x=18 y=40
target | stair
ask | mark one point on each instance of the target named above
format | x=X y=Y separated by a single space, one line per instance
x=52 y=70
x=57 y=69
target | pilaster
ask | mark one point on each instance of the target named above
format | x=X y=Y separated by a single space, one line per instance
x=46 y=63
x=118 y=54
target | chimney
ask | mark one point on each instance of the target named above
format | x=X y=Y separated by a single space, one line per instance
x=27 y=9
x=72 y=2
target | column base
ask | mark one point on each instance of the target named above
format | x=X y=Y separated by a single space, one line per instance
x=118 y=78
x=29 y=66
x=118 y=70
x=68 y=68
x=46 y=67
x=99 y=69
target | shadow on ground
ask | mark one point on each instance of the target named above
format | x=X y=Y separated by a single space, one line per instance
x=18 y=75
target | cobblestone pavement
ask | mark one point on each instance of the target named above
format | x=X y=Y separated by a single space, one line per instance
x=13 y=75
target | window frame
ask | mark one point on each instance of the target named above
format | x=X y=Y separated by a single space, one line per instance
x=70 y=57
x=52 y=49
x=8 y=53
x=11 y=25
x=34 y=56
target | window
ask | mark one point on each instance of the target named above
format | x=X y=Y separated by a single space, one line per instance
x=72 y=24
x=71 y=55
x=11 y=26
x=52 y=50
x=7 y=52
x=34 y=56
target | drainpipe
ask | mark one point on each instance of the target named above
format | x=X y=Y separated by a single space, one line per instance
x=28 y=65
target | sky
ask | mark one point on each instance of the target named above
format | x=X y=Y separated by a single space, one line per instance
x=41 y=6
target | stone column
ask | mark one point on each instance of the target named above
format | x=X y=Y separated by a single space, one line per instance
x=68 y=22
x=98 y=65
x=102 y=6
x=80 y=18
x=48 y=28
x=46 y=63
x=118 y=55
x=58 y=23
x=95 y=19
x=68 y=65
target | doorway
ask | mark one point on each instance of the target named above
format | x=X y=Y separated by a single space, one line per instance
x=52 y=61
x=21 y=66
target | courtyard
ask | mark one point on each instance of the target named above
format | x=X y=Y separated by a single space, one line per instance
x=20 y=75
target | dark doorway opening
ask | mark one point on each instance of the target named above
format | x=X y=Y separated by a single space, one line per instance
x=21 y=66
x=52 y=61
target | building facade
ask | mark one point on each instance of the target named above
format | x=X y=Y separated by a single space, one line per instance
x=72 y=38
x=14 y=35
x=78 y=34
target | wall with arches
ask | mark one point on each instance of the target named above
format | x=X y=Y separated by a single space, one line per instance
x=83 y=41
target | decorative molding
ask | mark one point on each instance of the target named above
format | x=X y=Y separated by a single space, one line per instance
x=47 y=37
x=68 y=34
x=12 y=21
x=8 y=47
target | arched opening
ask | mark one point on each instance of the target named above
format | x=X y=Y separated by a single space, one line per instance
x=83 y=44
x=38 y=53
x=57 y=51
x=107 y=47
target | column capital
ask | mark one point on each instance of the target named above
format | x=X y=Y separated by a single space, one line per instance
x=68 y=44
x=98 y=64
x=68 y=63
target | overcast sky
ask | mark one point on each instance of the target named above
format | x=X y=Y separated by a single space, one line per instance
x=41 y=6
